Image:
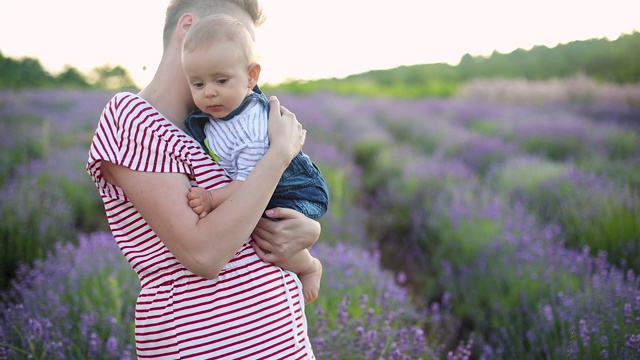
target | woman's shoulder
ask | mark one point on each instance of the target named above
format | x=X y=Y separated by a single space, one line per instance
x=134 y=134
x=127 y=103
x=130 y=112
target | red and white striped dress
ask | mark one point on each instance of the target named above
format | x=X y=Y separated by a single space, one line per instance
x=252 y=310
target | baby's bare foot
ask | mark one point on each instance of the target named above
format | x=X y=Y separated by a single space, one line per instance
x=311 y=282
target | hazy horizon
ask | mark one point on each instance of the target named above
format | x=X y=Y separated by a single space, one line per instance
x=307 y=41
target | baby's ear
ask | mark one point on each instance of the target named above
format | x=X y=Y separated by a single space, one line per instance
x=254 y=75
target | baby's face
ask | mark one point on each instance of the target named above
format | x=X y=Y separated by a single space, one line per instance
x=218 y=79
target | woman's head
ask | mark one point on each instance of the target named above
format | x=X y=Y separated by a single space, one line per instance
x=203 y=8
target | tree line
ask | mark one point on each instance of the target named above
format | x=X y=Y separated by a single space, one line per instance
x=28 y=72
x=603 y=60
x=616 y=61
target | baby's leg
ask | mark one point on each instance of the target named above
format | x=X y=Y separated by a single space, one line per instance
x=309 y=271
x=311 y=281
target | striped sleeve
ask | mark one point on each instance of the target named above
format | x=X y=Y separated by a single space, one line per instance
x=133 y=134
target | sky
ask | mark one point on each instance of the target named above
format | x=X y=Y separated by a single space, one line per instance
x=304 y=39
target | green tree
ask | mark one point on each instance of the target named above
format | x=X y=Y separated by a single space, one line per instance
x=71 y=77
x=110 y=77
x=26 y=72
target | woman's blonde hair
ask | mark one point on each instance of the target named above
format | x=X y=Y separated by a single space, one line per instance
x=203 y=8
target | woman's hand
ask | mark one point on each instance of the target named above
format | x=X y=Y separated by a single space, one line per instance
x=286 y=135
x=275 y=241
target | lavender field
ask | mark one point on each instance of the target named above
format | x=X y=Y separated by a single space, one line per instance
x=503 y=223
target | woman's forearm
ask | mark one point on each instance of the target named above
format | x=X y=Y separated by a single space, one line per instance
x=205 y=245
x=220 y=195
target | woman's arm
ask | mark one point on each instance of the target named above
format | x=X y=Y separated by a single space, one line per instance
x=205 y=245
x=203 y=201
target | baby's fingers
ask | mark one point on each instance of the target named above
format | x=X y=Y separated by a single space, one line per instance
x=194 y=203
x=192 y=195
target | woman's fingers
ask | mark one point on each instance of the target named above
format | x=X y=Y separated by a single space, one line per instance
x=273 y=101
x=285 y=131
x=265 y=256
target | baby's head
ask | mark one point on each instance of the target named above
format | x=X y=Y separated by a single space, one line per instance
x=220 y=62
x=217 y=28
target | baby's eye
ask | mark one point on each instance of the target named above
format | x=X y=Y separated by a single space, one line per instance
x=222 y=81
x=198 y=85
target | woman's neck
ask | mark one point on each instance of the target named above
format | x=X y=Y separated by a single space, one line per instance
x=166 y=94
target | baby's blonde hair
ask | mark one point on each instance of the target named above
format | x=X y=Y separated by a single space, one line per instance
x=202 y=8
x=221 y=27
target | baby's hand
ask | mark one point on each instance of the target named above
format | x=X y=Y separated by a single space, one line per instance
x=199 y=201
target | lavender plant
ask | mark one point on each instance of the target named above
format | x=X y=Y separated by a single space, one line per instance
x=367 y=315
x=75 y=304
x=520 y=177
x=34 y=216
x=504 y=269
x=446 y=193
x=595 y=212
x=491 y=255
x=557 y=139
x=621 y=143
x=90 y=292
x=22 y=139
x=590 y=209
x=46 y=195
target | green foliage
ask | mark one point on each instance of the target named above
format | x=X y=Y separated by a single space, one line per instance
x=618 y=171
x=28 y=73
x=86 y=207
x=375 y=159
x=556 y=147
x=621 y=144
x=71 y=77
x=404 y=133
x=370 y=86
x=615 y=61
x=342 y=193
x=468 y=236
x=525 y=176
x=112 y=77
x=604 y=60
x=489 y=128
x=29 y=141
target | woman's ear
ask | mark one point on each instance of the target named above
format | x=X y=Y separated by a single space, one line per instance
x=185 y=23
x=254 y=75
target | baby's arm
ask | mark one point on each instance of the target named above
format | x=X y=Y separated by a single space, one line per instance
x=203 y=202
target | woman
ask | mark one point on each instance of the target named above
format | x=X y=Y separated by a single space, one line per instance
x=206 y=292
